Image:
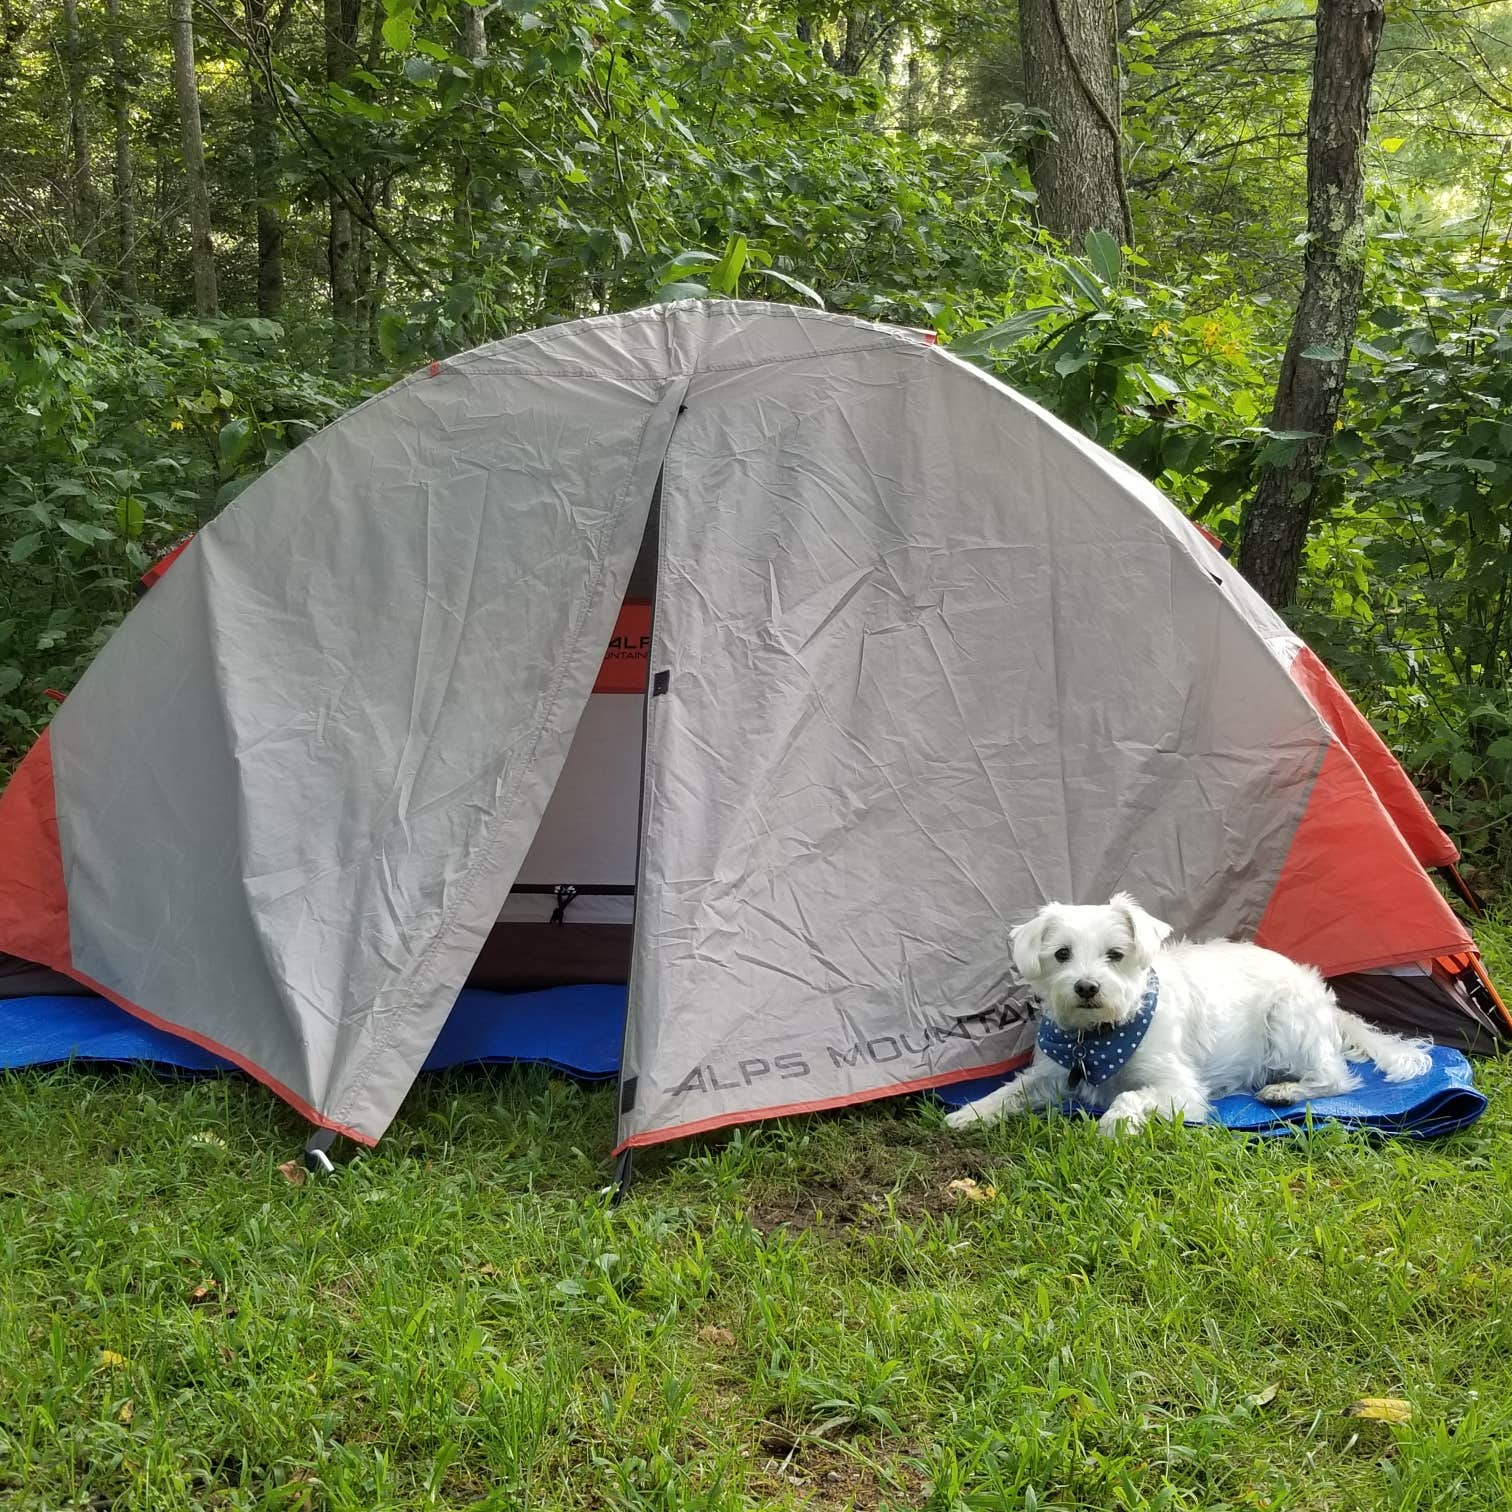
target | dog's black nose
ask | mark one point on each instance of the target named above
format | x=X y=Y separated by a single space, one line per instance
x=1086 y=990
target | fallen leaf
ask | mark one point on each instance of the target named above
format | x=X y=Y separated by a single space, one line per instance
x=203 y=1292
x=110 y=1360
x=714 y=1335
x=1381 y=1409
x=966 y=1187
x=292 y=1172
x=488 y=1270
x=207 y=1138
x=1262 y=1398
x=127 y=1407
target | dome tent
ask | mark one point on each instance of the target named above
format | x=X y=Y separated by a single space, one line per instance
x=921 y=657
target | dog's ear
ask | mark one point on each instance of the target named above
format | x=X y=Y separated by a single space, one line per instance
x=1149 y=932
x=1028 y=940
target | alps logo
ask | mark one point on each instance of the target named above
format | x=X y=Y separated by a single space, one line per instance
x=629 y=654
x=920 y=1044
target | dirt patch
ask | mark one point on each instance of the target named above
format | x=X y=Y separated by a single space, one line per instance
x=831 y=1476
x=910 y=1184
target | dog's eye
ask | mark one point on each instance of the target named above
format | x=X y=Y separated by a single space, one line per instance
x=1063 y=954
x=1115 y=955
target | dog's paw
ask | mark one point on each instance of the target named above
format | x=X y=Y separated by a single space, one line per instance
x=1117 y=1122
x=1409 y=1066
x=1281 y=1094
x=966 y=1118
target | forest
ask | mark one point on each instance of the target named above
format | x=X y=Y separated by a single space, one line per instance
x=1259 y=248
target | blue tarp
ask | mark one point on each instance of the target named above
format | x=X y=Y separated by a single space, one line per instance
x=578 y=1030
x=1442 y=1102
x=574 y=1029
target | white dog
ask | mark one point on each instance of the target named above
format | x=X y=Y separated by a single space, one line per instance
x=1142 y=1028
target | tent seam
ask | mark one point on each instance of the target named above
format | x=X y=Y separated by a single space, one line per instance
x=485 y=365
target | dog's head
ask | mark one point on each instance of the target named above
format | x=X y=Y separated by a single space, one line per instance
x=1089 y=963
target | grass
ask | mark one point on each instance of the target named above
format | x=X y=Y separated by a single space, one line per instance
x=802 y=1315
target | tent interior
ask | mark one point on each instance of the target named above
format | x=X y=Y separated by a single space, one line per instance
x=581 y=868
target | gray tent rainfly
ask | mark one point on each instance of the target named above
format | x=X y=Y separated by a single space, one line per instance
x=922 y=658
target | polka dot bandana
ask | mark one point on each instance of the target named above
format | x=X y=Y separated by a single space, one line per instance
x=1096 y=1054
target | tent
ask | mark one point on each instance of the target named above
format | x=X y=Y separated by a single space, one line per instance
x=893 y=656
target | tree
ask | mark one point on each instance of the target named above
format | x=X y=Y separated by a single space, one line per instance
x=1071 y=77
x=342 y=19
x=125 y=178
x=1316 y=364
x=84 y=198
x=263 y=122
x=186 y=88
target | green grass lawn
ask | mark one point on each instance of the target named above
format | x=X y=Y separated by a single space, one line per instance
x=803 y=1315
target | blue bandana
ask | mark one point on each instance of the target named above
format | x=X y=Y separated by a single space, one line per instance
x=1096 y=1054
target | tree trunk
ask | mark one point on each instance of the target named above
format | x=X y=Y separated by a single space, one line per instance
x=83 y=197
x=342 y=19
x=1311 y=386
x=851 y=55
x=186 y=87
x=475 y=48
x=1071 y=75
x=263 y=115
x=125 y=178
x=474 y=33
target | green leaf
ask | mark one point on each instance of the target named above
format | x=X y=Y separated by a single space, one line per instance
x=1005 y=333
x=1393 y=144
x=129 y=516
x=812 y=295
x=228 y=491
x=391 y=336
x=1085 y=285
x=1322 y=353
x=7 y=629
x=673 y=15
x=83 y=530
x=1104 y=255
x=399 y=32
x=674 y=291
x=420 y=70
x=24 y=321
x=10 y=677
x=724 y=277
x=681 y=263
x=25 y=547
x=234 y=439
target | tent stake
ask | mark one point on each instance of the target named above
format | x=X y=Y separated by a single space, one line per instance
x=317 y=1152
x=624 y=1174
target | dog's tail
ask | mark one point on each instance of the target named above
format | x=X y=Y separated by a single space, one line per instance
x=1399 y=1059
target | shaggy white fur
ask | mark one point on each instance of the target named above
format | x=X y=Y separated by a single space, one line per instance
x=1230 y=1018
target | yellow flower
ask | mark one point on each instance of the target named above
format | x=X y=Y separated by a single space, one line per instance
x=110 y=1360
x=1162 y=328
x=175 y=425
